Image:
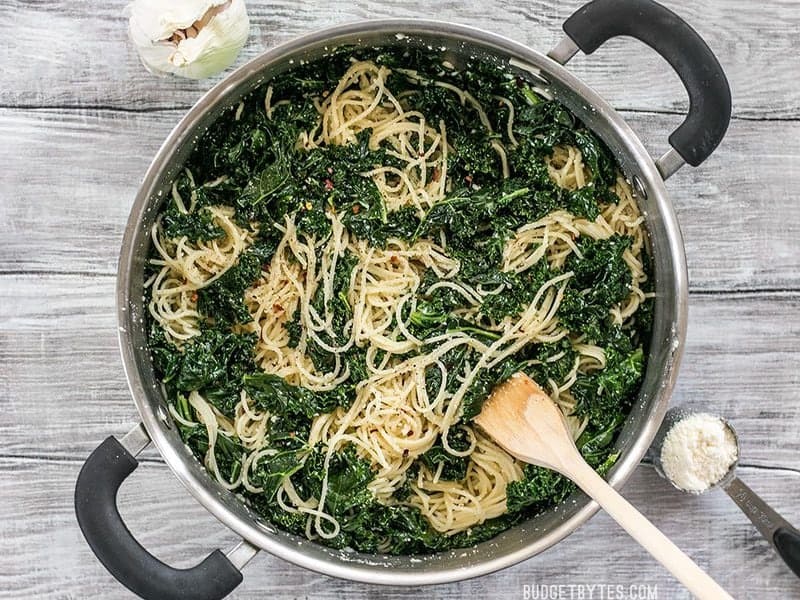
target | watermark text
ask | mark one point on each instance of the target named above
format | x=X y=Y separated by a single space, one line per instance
x=589 y=591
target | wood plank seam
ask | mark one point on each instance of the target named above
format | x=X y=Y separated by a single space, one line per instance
x=183 y=108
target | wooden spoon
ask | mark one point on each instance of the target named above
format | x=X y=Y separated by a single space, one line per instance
x=523 y=419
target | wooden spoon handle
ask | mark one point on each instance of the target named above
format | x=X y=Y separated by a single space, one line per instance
x=648 y=535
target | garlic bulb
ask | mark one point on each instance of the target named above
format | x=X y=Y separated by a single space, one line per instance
x=190 y=38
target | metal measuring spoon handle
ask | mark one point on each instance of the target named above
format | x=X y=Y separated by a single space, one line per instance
x=778 y=532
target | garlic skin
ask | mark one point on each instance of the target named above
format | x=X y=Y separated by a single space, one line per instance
x=189 y=38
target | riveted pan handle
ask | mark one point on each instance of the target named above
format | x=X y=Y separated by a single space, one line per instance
x=127 y=560
x=691 y=58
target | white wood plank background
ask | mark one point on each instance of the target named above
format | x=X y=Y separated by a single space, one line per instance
x=80 y=120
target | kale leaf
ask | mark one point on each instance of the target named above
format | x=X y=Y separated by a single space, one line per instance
x=601 y=278
x=166 y=357
x=271 y=393
x=595 y=440
x=214 y=364
x=366 y=525
x=454 y=467
x=517 y=292
x=538 y=486
x=553 y=361
x=223 y=299
x=270 y=471
x=228 y=452
x=482 y=386
x=429 y=317
x=196 y=226
x=602 y=395
x=294 y=328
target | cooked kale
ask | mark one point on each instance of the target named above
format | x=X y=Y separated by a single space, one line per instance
x=212 y=363
x=602 y=395
x=227 y=450
x=516 y=291
x=178 y=221
x=294 y=328
x=539 y=488
x=223 y=300
x=543 y=125
x=271 y=393
x=454 y=468
x=166 y=359
x=428 y=317
x=453 y=362
x=339 y=307
x=595 y=440
x=366 y=525
x=477 y=224
x=552 y=361
x=601 y=279
x=288 y=432
x=483 y=384
x=198 y=225
x=269 y=472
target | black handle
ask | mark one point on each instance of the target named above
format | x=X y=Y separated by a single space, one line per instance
x=787 y=543
x=126 y=559
x=669 y=35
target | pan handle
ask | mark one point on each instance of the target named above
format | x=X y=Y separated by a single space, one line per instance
x=114 y=545
x=681 y=46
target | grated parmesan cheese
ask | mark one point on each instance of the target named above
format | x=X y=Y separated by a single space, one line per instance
x=698 y=451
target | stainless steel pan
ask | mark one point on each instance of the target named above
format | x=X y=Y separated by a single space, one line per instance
x=586 y=30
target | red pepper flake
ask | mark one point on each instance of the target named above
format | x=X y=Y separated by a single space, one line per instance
x=468 y=178
x=194 y=296
x=328 y=185
x=356 y=208
x=277 y=308
x=394 y=260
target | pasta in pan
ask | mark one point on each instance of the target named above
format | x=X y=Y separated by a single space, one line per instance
x=348 y=265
